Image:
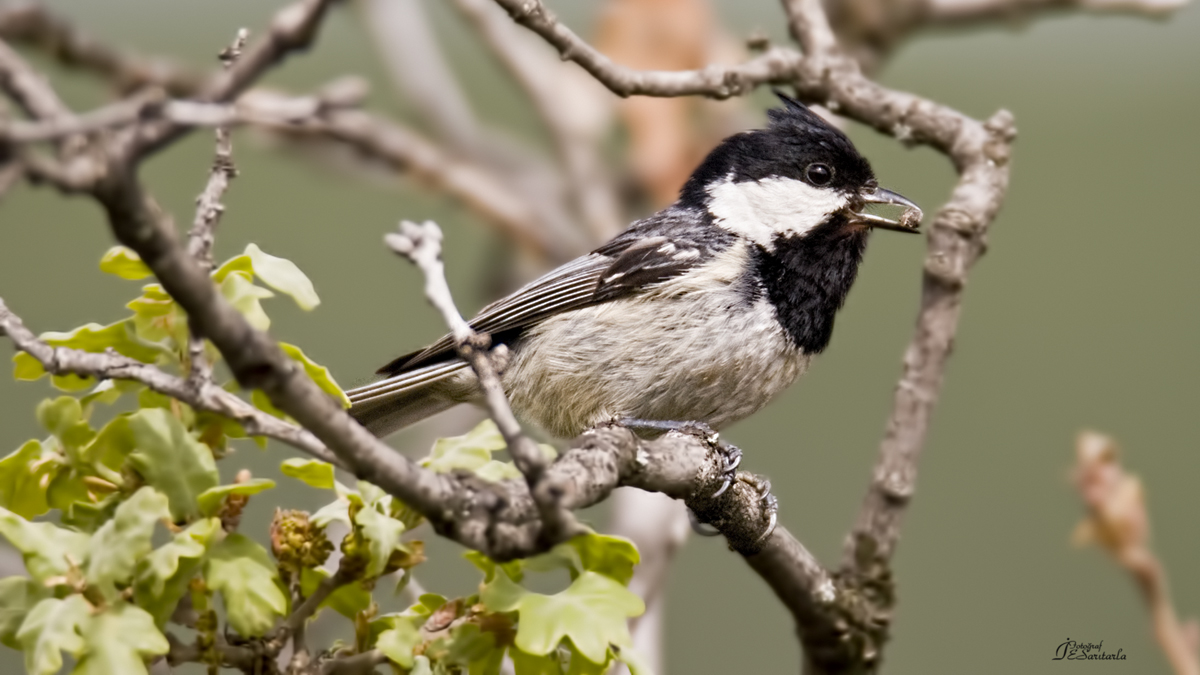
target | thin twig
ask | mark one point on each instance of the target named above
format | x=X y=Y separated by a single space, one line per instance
x=357 y=664
x=422 y=244
x=305 y=611
x=208 y=213
x=209 y=398
x=541 y=78
x=33 y=24
x=1119 y=522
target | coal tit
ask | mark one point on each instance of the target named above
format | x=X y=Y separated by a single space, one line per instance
x=702 y=312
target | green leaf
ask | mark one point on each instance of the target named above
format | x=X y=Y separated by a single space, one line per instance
x=45 y=547
x=246 y=298
x=614 y=557
x=496 y=471
x=18 y=595
x=70 y=382
x=96 y=338
x=242 y=572
x=348 y=600
x=338 y=510
x=121 y=542
x=27 y=368
x=24 y=476
x=50 y=628
x=319 y=374
x=283 y=275
x=119 y=640
x=125 y=263
x=261 y=401
x=239 y=263
x=592 y=612
x=66 y=489
x=157 y=317
x=60 y=414
x=469 y=452
x=314 y=472
x=112 y=444
x=383 y=537
x=502 y=594
x=210 y=500
x=107 y=391
x=533 y=664
x=471 y=646
x=163 y=576
x=580 y=665
x=171 y=460
x=398 y=642
x=514 y=568
x=421 y=666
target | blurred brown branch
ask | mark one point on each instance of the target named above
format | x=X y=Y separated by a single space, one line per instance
x=1118 y=522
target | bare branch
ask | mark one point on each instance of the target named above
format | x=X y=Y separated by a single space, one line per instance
x=33 y=24
x=294 y=626
x=208 y=212
x=479 y=189
x=35 y=96
x=1118 y=521
x=541 y=78
x=658 y=527
x=209 y=398
x=961 y=12
x=409 y=49
x=422 y=244
x=208 y=204
x=775 y=66
x=358 y=664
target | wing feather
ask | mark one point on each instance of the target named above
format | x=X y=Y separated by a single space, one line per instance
x=639 y=258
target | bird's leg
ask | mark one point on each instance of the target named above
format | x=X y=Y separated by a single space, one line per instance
x=731 y=456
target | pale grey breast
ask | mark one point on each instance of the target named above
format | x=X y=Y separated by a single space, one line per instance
x=724 y=360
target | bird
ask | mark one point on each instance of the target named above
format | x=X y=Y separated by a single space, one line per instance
x=697 y=315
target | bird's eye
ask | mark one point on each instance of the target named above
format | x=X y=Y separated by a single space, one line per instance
x=819 y=174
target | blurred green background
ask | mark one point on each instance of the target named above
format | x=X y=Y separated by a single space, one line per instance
x=1083 y=314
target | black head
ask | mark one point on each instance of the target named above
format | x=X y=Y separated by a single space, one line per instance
x=795 y=174
x=797 y=144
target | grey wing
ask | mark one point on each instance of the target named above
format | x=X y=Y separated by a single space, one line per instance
x=570 y=286
x=626 y=265
x=417 y=385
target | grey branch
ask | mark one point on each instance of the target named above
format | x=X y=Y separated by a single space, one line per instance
x=33 y=24
x=541 y=78
x=208 y=204
x=209 y=397
x=208 y=212
x=422 y=244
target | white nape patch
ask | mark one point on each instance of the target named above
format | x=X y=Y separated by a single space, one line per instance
x=760 y=210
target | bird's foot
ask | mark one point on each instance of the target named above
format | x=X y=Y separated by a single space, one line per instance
x=731 y=455
x=769 y=503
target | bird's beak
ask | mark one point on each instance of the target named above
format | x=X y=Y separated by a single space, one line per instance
x=907 y=222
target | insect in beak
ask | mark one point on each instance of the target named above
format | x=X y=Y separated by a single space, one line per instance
x=907 y=222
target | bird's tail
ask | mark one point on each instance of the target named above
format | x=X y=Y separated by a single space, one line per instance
x=395 y=402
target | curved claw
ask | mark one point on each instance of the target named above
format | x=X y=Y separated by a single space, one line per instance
x=724 y=486
x=772 y=508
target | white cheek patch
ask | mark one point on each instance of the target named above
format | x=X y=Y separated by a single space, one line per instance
x=760 y=210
